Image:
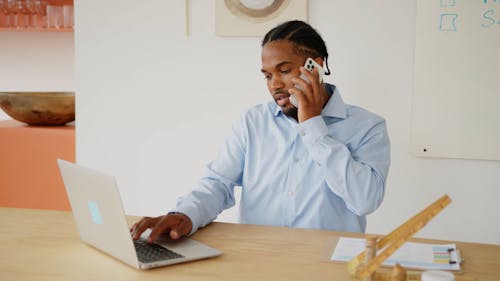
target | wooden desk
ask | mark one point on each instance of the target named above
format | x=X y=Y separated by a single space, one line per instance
x=44 y=245
x=29 y=177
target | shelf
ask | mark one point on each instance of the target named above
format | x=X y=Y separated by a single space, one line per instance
x=35 y=29
x=21 y=18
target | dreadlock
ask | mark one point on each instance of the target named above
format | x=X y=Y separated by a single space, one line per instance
x=306 y=40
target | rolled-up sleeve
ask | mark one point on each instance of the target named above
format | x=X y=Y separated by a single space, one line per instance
x=357 y=173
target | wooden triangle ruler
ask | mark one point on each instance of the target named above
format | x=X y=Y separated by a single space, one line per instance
x=391 y=242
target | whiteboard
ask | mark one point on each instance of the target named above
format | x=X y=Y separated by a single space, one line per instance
x=456 y=102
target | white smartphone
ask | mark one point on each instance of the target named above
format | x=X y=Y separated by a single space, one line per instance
x=309 y=65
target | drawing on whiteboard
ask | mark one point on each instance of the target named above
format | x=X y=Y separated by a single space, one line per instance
x=448 y=22
x=448 y=3
x=489 y=16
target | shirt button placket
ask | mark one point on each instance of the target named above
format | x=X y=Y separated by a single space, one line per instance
x=295 y=175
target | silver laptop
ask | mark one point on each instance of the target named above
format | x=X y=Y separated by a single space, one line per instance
x=100 y=219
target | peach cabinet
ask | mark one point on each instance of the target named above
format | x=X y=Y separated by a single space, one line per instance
x=29 y=177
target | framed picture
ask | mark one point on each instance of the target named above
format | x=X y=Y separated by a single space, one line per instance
x=255 y=17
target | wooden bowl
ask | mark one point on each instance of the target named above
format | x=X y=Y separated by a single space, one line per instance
x=39 y=108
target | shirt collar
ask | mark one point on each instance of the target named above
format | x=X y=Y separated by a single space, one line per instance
x=335 y=107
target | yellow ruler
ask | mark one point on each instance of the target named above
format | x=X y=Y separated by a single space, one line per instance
x=395 y=239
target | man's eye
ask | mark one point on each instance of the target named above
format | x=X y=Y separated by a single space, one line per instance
x=285 y=71
x=267 y=76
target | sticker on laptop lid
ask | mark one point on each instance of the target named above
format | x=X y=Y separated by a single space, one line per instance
x=94 y=212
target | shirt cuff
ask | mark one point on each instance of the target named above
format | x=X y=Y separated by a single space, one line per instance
x=194 y=224
x=312 y=130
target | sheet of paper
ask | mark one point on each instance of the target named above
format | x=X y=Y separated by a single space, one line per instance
x=411 y=255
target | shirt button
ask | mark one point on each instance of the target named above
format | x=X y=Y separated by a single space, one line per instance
x=302 y=133
x=296 y=159
x=290 y=193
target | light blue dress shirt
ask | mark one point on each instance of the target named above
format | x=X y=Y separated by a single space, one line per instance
x=325 y=173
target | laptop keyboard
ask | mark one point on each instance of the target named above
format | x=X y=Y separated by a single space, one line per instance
x=151 y=252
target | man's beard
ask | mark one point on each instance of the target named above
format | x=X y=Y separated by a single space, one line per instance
x=291 y=111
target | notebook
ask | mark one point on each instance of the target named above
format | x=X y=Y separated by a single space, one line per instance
x=98 y=212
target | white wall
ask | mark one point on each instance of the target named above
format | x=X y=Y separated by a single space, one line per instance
x=36 y=61
x=154 y=105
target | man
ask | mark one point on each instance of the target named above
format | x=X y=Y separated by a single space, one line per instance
x=322 y=165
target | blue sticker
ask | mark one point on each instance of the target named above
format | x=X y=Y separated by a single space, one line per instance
x=94 y=212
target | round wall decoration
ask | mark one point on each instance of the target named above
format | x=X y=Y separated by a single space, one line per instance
x=256 y=10
x=255 y=17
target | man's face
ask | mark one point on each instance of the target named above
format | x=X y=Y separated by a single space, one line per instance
x=279 y=65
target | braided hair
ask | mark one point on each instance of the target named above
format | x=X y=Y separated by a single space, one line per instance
x=306 y=40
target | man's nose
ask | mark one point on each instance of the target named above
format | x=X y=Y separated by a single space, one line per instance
x=277 y=83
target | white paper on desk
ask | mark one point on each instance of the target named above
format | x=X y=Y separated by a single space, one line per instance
x=411 y=255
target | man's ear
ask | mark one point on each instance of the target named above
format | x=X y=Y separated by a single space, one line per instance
x=320 y=61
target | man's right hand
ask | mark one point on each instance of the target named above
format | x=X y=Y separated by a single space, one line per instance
x=176 y=224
